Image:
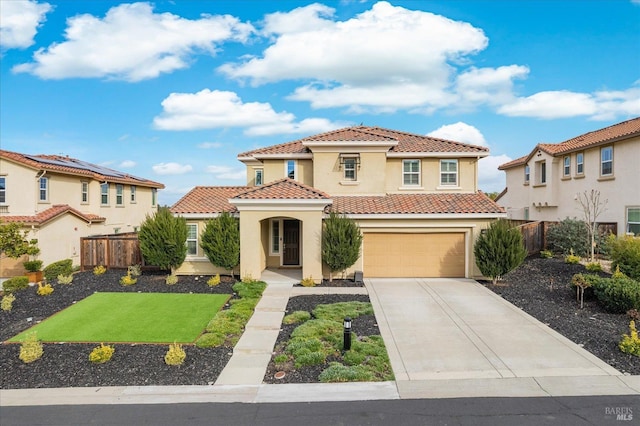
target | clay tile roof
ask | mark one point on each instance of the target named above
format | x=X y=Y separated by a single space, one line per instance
x=283 y=189
x=415 y=204
x=513 y=163
x=50 y=214
x=405 y=142
x=73 y=166
x=208 y=199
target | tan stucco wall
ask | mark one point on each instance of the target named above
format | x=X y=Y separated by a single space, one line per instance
x=275 y=170
x=329 y=174
x=21 y=188
x=430 y=176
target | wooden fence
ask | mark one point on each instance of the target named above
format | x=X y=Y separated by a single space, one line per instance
x=118 y=251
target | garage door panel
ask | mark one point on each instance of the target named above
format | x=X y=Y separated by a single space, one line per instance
x=414 y=255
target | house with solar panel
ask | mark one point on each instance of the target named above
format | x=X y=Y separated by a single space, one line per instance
x=414 y=197
x=61 y=199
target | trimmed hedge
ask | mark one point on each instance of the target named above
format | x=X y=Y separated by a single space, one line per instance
x=617 y=295
x=15 y=284
x=61 y=267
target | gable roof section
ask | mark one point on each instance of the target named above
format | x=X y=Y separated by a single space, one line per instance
x=73 y=166
x=208 y=199
x=475 y=203
x=625 y=130
x=403 y=142
x=51 y=213
x=283 y=189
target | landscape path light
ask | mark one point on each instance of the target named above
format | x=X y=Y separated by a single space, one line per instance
x=346 y=344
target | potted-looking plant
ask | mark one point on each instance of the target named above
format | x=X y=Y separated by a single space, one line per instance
x=33 y=266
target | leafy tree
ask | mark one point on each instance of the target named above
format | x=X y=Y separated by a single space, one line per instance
x=341 y=242
x=499 y=250
x=14 y=242
x=162 y=239
x=221 y=241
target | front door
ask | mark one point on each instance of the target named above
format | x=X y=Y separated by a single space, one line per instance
x=291 y=237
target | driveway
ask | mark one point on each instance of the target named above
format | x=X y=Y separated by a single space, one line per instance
x=458 y=329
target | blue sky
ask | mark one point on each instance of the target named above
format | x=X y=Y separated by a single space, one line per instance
x=173 y=91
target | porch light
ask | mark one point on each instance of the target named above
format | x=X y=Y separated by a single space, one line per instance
x=346 y=343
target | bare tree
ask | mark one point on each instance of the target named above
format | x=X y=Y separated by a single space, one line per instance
x=592 y=207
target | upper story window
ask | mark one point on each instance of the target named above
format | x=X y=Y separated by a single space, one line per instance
x=192 y=239
x=84 y=192
x=3 y=189
x=541 y=172
x=154 y=196
x=134 y=190
x=349 y=168
x=44 y=189
x=104 y=194
x=606 y=161
x=633 y=220
x=580 y=163
x=449 y=172
x=566 y=166
x=411 y=172
x=527 y=174
x=259 y=177
x=119 y=194
x=291 y=169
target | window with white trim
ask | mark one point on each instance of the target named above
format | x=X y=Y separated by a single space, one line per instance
x=134 y=190
x=580 y=163
x=3 y=190
x=154 y=196
x=527 y=173
x=274 y=244
x=633 y=220
x=606 y=161
x=349 y=168
x=44 y=188
x=119 y=194
x=84 y=192
x=449 y=172
x=566 y=167
x=259 y=176
x=541 y=172
x=411 y=172
x=104 y=194
x=526 y=213
x=291 y=169
x=192 y=239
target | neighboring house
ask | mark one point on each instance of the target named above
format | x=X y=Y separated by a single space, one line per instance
x=414 y=197
x=545 y=184
x=61 y=199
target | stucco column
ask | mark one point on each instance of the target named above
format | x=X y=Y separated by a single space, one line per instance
x=312 y=246
x=250 y=246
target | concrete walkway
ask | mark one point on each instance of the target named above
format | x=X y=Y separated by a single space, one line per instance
x=445 y=339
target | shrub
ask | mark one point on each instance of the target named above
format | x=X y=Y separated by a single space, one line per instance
x=65 y=279
x=214 y=280
x=338 y=311
x=546 y=254
x=296 y=317
x=617 y=295
x=32 y=265
x=499 y=250
x=175 y=355
x=569 y=234
x=280 y=359
x=249 y=290
x=127 y=280
x=101 y=354
x=630 y=343
x=99 y=270
x=44 y=290
x=211 y=340
x=15 y=284
x=307 y=282
x=31 y=349
x=61 y=267
x=341 y=373
x=341 y=242
x=7 y=302
x=135 y=270
x=617 y=273
x=162 y=239
x=593 y=267
x=625 y=254
x=572 y=258
x=171 y=279
x=221 y=241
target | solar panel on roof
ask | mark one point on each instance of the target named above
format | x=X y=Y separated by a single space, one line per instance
x=83 y=165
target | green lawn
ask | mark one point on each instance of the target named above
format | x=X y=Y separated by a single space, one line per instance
x=131 y=317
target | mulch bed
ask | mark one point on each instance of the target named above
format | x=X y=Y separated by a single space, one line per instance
x=68 y=365
x=337 y=283
x=541 y=288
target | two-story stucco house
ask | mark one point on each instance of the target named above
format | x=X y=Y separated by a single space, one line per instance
x=414 y=197
x=61 y=199
x=545 y=184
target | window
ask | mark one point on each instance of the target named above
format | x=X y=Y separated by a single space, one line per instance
x=154 y=196
x=104 y=194
x=84 y=190
x=566 y=169
x=275 y=237
x=192 y=239
x=541 y=172
x=3 y=189
x=291 y=170
x=119 y=194
x=133 y=194
x=580 y=163
x=411 y=172
x=526 y=213
x=349 y=168
x=606 y=161
x=44 y=189
x=259 y=178
x=633 y=220
x=449 y=172
x=527 y=174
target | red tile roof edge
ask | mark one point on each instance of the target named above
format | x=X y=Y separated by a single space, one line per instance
x=51 y=213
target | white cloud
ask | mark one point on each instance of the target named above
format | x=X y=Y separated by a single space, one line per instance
x=493 y=86
x=490 y=179
x=460 y=132
x=208 y=109
x=132 y=43
x=209 y=145
x=20 y=21
x=127 y=164
x=225 y=172
x=171 y=168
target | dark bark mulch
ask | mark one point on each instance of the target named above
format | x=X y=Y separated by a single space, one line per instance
x=541 y=287
x=68 y=365
x=338 y=283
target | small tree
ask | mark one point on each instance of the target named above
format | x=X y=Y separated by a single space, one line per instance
x=163 y=239
x=221 y=241
x=592 y=207
x=499 y=250
x=341 y=242
x=14 y=242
